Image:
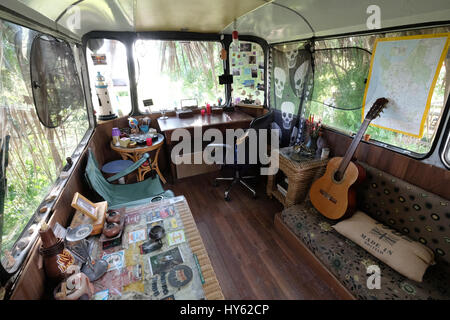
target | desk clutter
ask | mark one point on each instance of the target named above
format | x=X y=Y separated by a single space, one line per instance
x=141 y=253
x=138 y=133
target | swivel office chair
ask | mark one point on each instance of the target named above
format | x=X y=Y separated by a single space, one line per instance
x=262 y=122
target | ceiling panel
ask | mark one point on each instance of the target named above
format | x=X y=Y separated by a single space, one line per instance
x=50 y=9
x=330 y=17
x=193 y=15
x=99 y=15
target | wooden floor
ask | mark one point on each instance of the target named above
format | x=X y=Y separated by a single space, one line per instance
x=249 y=259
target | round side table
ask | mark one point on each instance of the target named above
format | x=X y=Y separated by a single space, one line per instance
x=135 y=154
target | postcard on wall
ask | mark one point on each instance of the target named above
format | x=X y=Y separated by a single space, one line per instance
x=245 y=47
x=176 y=237
x=248 y=83
x=254 y=72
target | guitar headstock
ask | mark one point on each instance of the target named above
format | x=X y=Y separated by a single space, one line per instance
x=377 y=107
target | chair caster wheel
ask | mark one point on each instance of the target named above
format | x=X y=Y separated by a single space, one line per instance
x=255 y=196
x=215 y=184
x=227 y=197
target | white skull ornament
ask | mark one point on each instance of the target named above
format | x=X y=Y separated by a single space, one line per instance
x=291 y=58
x=280 y=81
x=299 y=75
x=287 y=114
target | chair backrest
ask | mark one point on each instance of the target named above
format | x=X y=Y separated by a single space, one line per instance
x=95 y=177
x=262 y=122
x=257 y=124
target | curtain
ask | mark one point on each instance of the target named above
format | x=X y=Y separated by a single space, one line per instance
x=291 y=81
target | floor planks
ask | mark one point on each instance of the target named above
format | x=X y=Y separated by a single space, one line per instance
x=250 y=260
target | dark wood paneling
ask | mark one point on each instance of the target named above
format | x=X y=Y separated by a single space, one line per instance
x=250 y=259
x=426 y=176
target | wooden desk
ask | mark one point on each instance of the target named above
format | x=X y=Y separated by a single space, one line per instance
x=221 y=121
x=136 y=153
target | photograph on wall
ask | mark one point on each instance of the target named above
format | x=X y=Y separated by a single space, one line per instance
x=236 y=72
x=245 y=47
x=251 y=59
x=254 y=72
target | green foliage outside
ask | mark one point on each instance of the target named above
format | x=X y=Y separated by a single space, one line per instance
x=199 y=77
x=340 y=81
x=36 y=153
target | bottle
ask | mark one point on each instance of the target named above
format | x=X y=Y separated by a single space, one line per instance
x=115 y=136
x=48 y=238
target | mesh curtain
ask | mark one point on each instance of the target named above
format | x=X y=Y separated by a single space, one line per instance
x=55 y=82
x=291 y=81
x=340 y=76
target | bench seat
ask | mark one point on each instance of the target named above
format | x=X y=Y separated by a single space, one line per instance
x=410 y=210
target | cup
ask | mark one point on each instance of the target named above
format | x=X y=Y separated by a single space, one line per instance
x=149 y=142
x=144 y=128
x=325 y=153
x=366 y=137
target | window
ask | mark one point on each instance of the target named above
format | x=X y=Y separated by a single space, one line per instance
x=109 y=58
x=339 y=82
x=36 y=153
x=247 y=68
x=169 y=72
x=446 y=149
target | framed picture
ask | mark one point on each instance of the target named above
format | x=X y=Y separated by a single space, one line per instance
x=84 y=206
x=245 y=47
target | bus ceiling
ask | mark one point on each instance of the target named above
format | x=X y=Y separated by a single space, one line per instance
x=275 y=21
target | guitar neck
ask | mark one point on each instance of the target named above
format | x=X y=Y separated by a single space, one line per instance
x=352 y=149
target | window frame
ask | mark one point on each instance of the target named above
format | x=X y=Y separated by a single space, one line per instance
x=224 y=64
x=405 y=152
x=128 y=38
x=92 y=95
x=445 y=143
x=265 y=49
x=61 y=179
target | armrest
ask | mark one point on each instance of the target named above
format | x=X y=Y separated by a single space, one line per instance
x=130 y=169
x=242 y=139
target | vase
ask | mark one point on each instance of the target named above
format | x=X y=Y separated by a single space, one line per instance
x=321 y=143
x=312 y=144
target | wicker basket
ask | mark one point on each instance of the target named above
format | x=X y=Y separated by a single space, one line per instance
x=300 y=174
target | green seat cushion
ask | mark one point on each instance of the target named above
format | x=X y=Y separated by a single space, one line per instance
x=348 y=262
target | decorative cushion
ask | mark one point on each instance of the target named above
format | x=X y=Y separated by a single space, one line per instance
x=348 y=262
x=408 y=257
x=421 y=215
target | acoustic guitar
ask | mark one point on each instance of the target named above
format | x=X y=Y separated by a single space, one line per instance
x=334 y=194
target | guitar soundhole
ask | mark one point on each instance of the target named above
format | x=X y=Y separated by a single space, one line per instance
x=337 y=176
